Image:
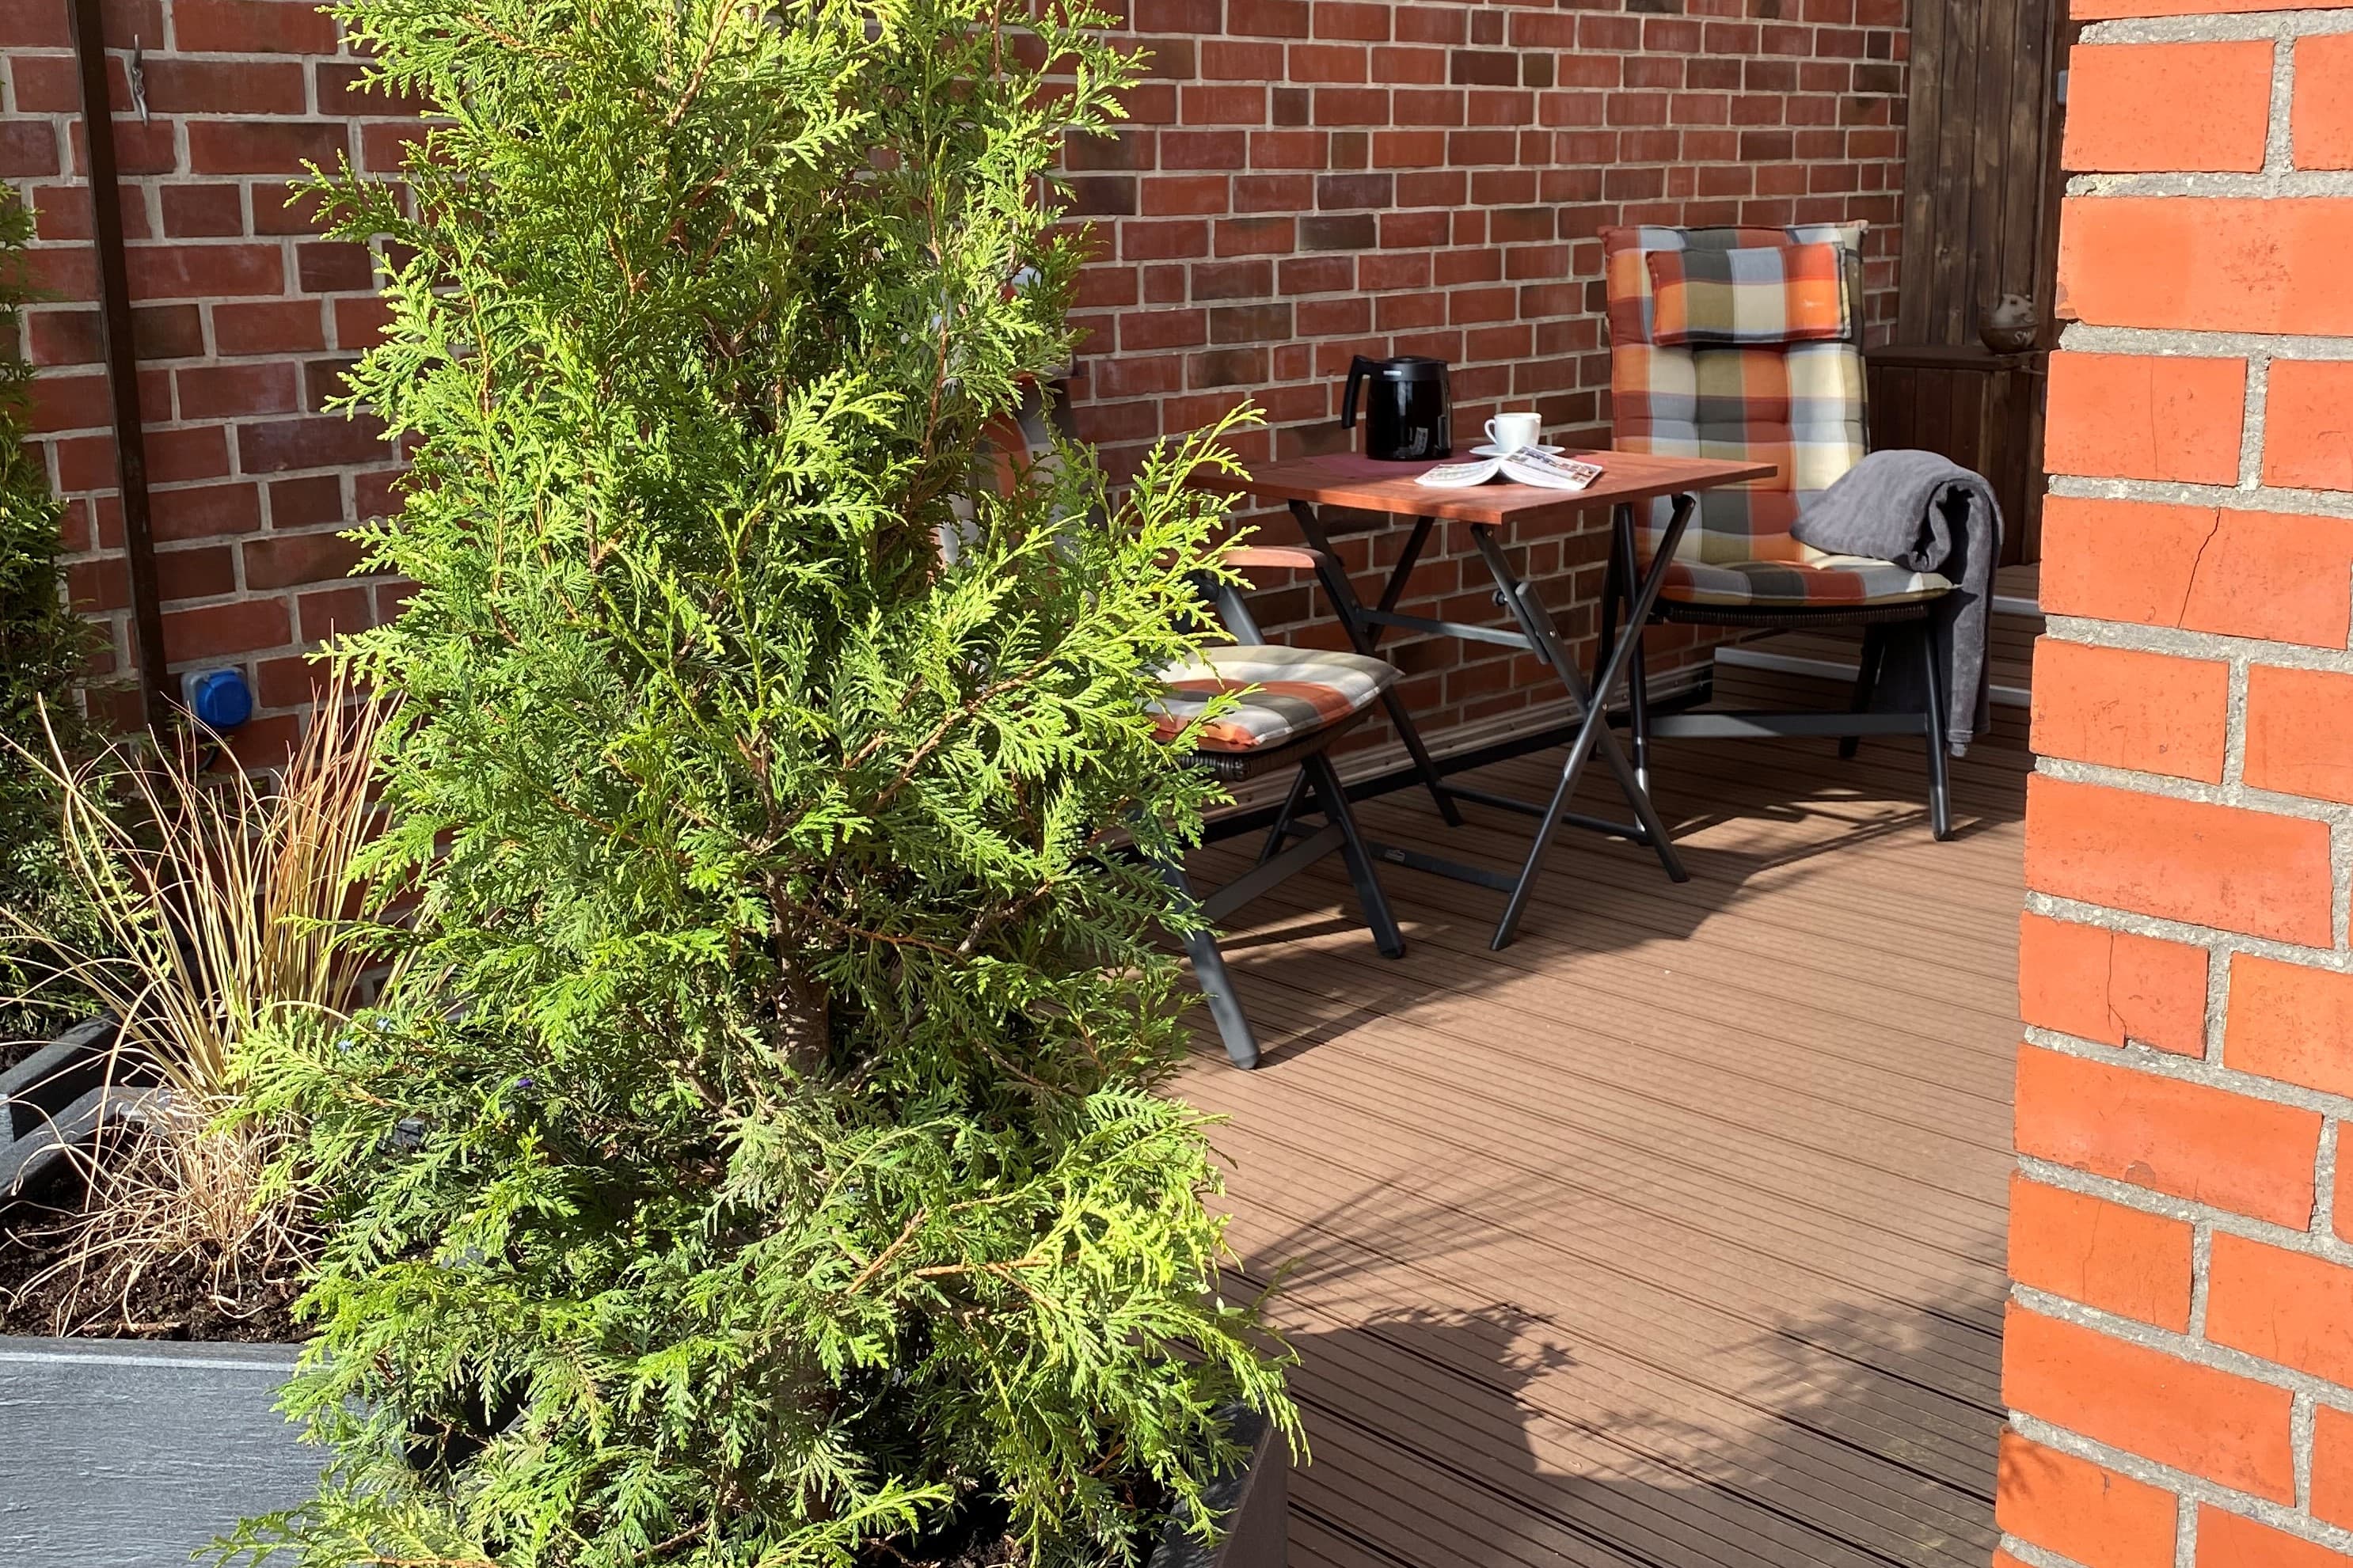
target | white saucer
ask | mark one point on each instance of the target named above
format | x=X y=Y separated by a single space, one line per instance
x=1507 y=451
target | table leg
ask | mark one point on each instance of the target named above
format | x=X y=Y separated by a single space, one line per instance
x=1350 y=611
x=1593 y=728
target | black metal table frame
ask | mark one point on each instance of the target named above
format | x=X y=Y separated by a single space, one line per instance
x=1536 y=634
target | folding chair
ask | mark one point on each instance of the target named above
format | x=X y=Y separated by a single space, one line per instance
x=1294 y=702
x=1748 y=342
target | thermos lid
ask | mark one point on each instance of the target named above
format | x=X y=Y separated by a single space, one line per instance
x=1409 y=367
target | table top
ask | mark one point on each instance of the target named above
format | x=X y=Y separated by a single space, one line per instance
x=1349 y=479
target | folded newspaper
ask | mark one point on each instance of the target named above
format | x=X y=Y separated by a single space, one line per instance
x=1552 y=470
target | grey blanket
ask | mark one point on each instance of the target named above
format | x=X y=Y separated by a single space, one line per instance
x=1926 y=514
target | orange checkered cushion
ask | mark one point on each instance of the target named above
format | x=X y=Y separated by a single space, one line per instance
x=1753 y=295
x=1286 y=693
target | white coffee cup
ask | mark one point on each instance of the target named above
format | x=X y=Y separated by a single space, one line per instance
x=1510 y=432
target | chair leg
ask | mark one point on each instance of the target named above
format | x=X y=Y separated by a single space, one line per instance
x=1866 y=683
x=1941 y=797
x=1611 y=587
x=1216 y=984
x=1638 y=703
x=1334 y=799
x=1279 y=834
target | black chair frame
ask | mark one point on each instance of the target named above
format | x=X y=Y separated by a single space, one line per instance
x=1880 y=624
x=1310 y=755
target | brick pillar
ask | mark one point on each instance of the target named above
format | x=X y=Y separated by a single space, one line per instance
x=2180 y=1353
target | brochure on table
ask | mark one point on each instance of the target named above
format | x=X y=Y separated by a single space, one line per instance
x=1529 y=466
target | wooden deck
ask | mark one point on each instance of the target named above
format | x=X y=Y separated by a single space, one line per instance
x=1671 y=1237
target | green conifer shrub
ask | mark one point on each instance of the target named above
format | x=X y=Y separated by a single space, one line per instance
x=759 y=1156
x=44 y=654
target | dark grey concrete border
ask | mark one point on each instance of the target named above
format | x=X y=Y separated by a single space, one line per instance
x=134 y=1453
x=1255 y=1501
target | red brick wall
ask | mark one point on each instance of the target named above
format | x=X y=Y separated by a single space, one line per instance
x=2180 y=1352
x=1308 y=180
x=242 y=321
x=1304 y=180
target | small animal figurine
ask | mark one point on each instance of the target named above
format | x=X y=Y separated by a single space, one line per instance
x=2009 y=327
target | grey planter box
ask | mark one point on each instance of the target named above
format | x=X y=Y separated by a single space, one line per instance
x=134 y=1453
x=1255 y=1501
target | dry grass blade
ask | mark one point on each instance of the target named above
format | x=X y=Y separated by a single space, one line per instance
x=224 y=899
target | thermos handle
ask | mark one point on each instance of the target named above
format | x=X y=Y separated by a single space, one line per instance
x=1358 y=368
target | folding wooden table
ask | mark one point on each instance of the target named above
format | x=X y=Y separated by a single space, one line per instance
x=1629 y=480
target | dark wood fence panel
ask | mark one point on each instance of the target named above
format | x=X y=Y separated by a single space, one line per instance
x=1982 y=410
x=1979 y=212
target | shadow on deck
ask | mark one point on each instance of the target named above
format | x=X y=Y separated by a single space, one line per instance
x=1672 y=1236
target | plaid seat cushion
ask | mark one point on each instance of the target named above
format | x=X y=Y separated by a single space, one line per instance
x=1753 y=295
x=1824 y=583
x=1299 y=690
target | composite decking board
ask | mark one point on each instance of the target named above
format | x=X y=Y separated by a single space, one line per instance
x=1937 y=1383
x=1733 y=1082
x=1613 y=1187
x=1588 y=875
x=1756 y=1203
x=1515 y=1438
x=1466 y=1100
x=1652 y=1087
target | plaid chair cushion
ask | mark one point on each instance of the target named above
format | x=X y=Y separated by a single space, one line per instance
x=1825 y=581
x=1299 y=690
x=1755 y=295
x=1797 y=405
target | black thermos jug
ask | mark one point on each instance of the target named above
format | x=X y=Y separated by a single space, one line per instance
x=1408 y=416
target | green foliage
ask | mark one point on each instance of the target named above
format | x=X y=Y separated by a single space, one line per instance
x=44 y=652
x=760 y=1140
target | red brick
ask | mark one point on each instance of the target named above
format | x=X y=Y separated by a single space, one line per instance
x=229 y=390
x=2321 y=120
x=177 y=84
x=2285 y=1307
x=252 y=27
x=2112 y=987
x=335 y=612
x=212 y=631
x=265 y=146
x=2249 y=264
x=2290 y=1022
x=2179 y=860
x=2101 y=1254
x=2080 y=1511
x=2234 y=1540
x=321 y=442
x=2152 y=712
x=2168 y=106
x=2300 y=733
x=27 y=148
x=2145 y=416
x=198 y=511
x=2226 y=1428
x=2278 y=576
x=2249 y=1156
x=2307 y=439
x=268 y=327
x=202 y=212
x=2332 y=1463
x=186 y=271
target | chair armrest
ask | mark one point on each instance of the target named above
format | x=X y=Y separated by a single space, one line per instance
x=1297 y=556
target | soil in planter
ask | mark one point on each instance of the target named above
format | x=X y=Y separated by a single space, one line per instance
x=170 y=1302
